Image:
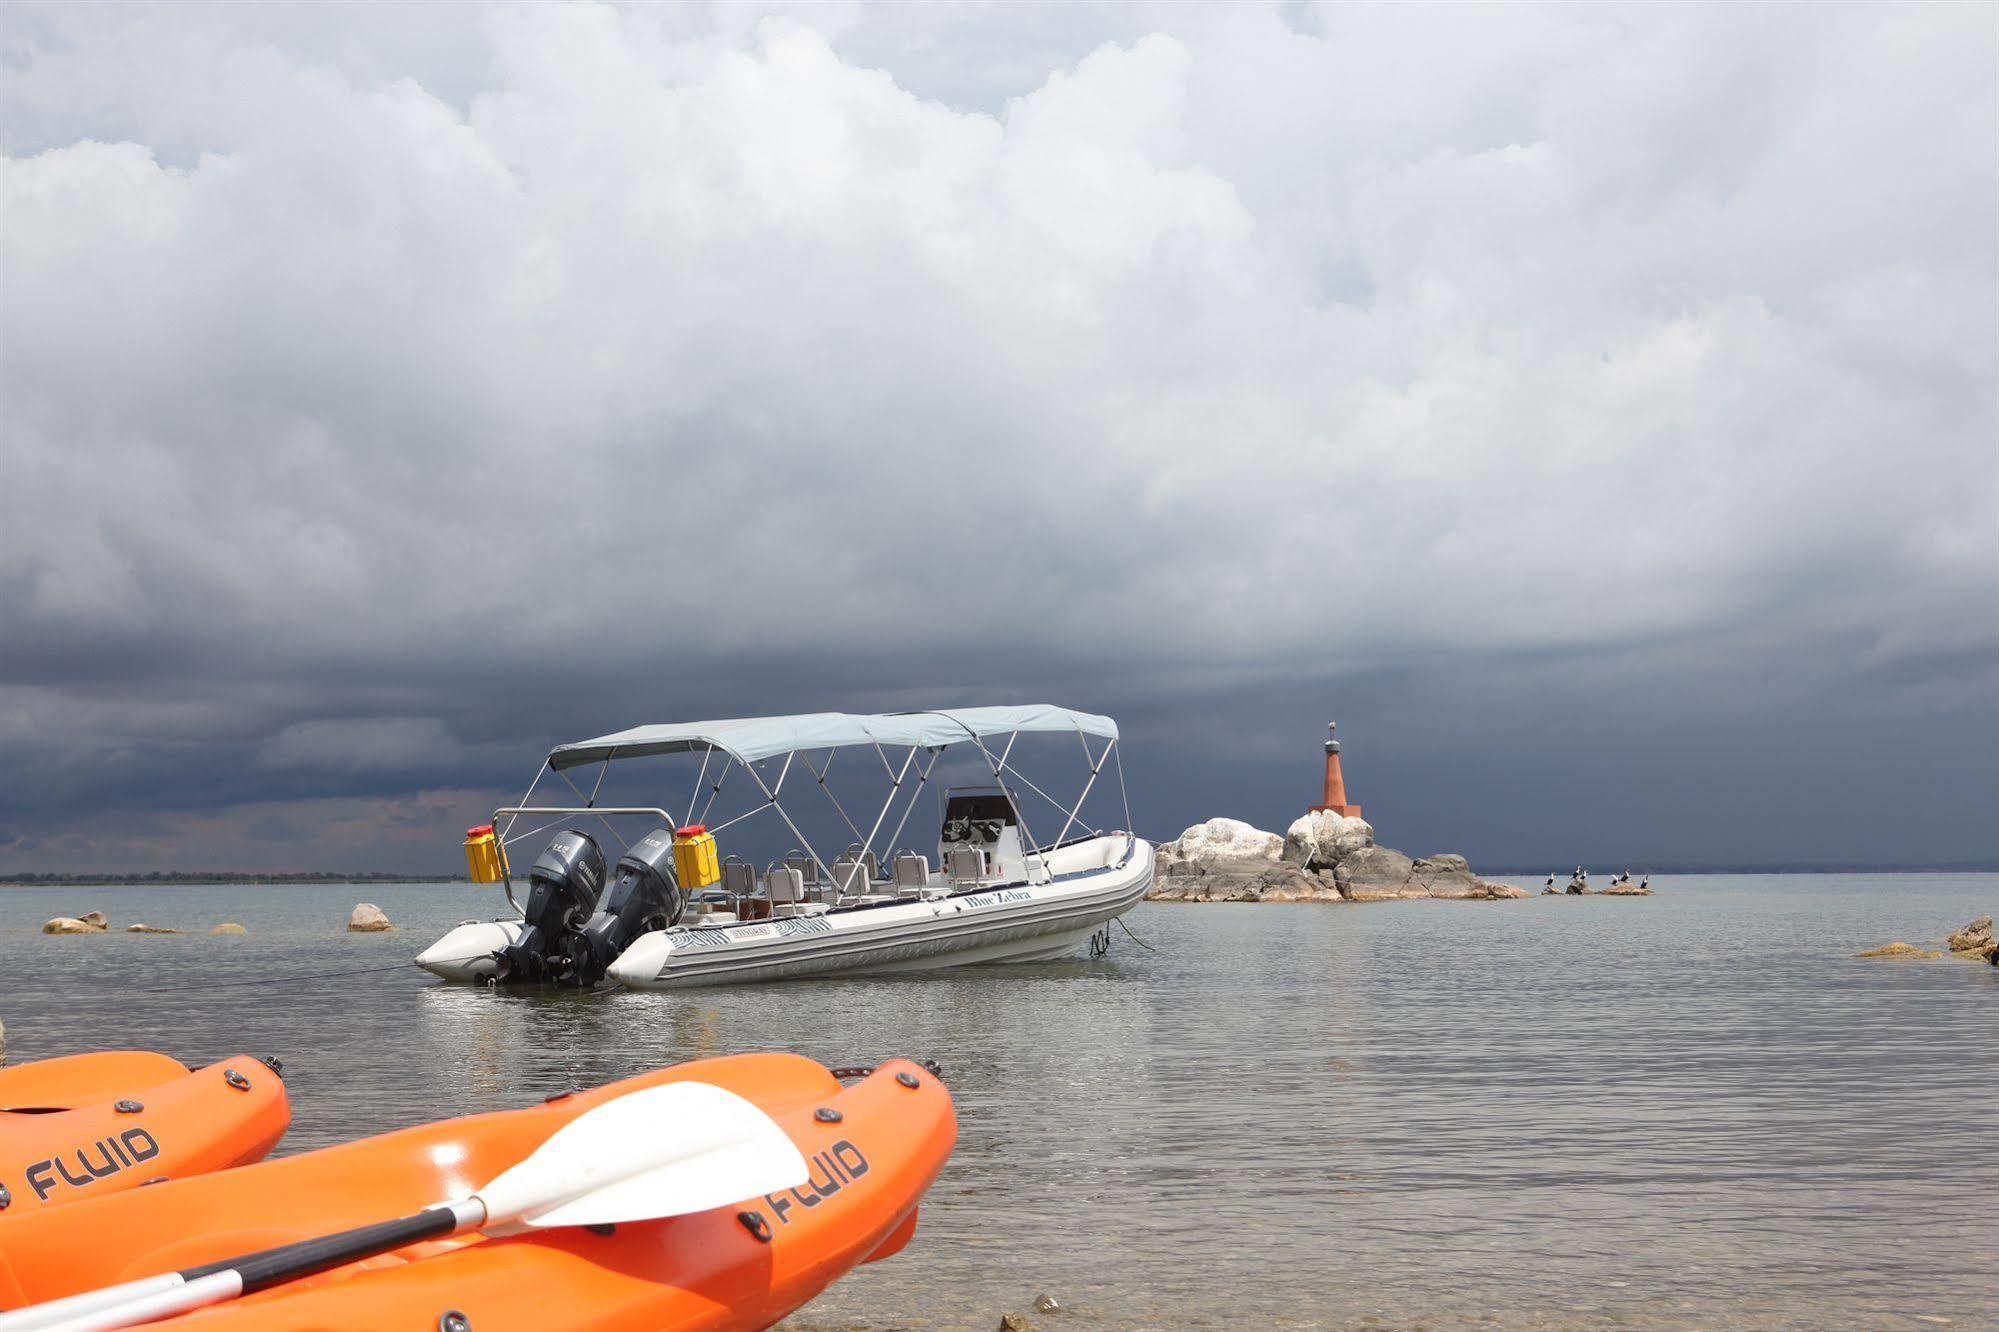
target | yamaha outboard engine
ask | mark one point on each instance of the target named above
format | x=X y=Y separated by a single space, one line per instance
x=564 y=884
x=644 y=897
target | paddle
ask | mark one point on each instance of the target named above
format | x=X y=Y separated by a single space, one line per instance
x=661 y=1151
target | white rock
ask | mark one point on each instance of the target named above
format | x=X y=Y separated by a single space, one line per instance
x=1227 y=839
x=367 y=918
x=1322 y=840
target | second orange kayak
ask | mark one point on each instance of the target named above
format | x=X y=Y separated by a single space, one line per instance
x=87 y=1125
x=873 y=1148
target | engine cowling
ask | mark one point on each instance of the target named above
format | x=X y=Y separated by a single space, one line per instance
x=643 y=897
x=562 y=892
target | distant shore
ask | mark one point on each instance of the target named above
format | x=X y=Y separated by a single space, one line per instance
x=167 y=878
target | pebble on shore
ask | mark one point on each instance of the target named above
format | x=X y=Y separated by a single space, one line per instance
x=367 y=918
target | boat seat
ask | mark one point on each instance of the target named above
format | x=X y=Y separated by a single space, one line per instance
x=785 y=885
x=739 y=877
x=912 y=874
x=855 y=851
x=851 y=877
x=807 y=867
x=967 y=864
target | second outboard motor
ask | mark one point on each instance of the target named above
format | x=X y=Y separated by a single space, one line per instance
x=644 y=897
x=564 y=884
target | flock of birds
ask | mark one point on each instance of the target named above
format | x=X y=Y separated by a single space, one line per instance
x=1582 y=876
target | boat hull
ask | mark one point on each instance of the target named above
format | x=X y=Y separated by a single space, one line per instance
x=871 y=1158
x=1011 y=923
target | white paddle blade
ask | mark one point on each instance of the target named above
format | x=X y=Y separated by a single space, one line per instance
x=662 y=1151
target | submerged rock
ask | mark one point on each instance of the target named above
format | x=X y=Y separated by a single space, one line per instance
x=1046 y=1304
x=229 y=927
x=367 y=918
x=70 y=925
x=1900 y=949
x=149 y=929
x=1975 y=940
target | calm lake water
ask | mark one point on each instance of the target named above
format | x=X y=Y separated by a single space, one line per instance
x=1689 y=1110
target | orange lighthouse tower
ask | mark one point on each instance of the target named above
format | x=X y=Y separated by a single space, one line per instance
x=1336 y=782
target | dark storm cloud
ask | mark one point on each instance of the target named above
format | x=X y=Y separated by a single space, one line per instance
x=1594 y=409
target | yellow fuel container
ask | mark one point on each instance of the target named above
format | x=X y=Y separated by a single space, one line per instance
x=485 y=858
x=694 y=862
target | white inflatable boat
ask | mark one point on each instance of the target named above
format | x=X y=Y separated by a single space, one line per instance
x=672 y=913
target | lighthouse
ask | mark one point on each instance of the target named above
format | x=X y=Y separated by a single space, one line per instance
x=1336 y=782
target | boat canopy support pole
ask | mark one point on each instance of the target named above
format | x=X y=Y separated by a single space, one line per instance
x=821 y=775
x=922 y=776
x=715 y=791
x=770 y=794
x=895 y=784
x=589 y=807
x=1096 y=767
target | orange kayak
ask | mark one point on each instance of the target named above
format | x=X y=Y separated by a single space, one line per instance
x=88 y=1125
x=873 y=1146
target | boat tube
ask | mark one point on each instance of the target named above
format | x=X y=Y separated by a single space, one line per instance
x=873 y=1147
x=88 y=1125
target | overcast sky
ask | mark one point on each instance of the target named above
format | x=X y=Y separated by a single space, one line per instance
x=1595 y=409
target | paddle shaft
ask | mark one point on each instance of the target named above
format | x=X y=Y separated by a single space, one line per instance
x=210 y=1283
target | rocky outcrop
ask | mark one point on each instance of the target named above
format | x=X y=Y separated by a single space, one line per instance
x=70 y=925
x=1224 y=839
x=1900 y=949
x=1324 y=857
x=1320 y=840
x=229 y=927
x=1976 y=941
x=367 y=918
x=1627 y=890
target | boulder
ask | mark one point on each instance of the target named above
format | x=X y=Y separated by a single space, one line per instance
x=149 y=929
x=229 y=927
x=1377 y=874
x=97 y=920
x=1975 y=938
x=1503 y=892
x=1224 y=839
x=1320 y=840
x=367 y=918
x=1447 y=876
x=1243 y=881
x=1900 y=949
x=1627 y=890
x=69 y=925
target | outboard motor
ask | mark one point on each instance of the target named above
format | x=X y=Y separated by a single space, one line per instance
x=644 y=897
x=564 y=884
